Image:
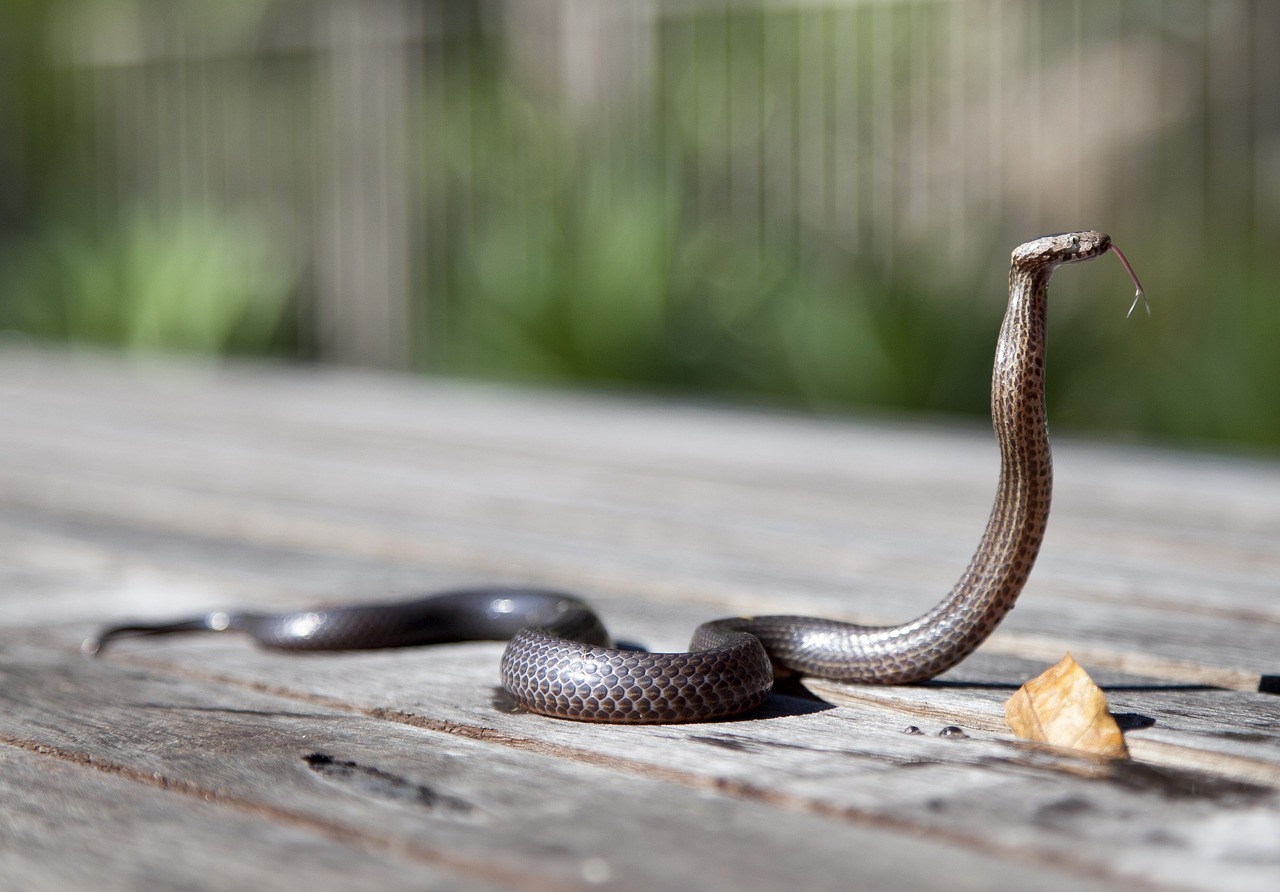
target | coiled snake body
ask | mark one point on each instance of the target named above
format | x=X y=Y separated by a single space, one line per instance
x=558 y=661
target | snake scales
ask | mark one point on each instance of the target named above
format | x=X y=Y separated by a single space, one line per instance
x=559 y=662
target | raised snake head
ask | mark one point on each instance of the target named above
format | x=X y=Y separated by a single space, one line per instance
x=1065 y=247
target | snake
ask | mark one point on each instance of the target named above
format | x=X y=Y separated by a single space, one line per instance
x=560 y=662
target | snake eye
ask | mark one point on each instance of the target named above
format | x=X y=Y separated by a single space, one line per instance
x=1075 y=241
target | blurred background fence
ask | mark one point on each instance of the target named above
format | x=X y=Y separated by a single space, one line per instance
x=806 y=202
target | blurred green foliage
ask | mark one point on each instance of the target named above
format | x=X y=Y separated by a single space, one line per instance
x=189 y=281
x=568 y=254
x=582 y=260
x=603 y=283
x=588 y=259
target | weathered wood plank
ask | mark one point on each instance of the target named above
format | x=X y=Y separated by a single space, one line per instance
x=825 y=761
x=1224 y=722
x=757 y=576
x=474 y=806
x=66 y=826
x=827 y=519
x=852 y=765
x=127 y=493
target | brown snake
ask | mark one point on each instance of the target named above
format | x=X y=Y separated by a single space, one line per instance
x=557 y=662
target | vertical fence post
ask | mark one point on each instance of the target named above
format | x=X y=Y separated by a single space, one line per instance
x=363 y=255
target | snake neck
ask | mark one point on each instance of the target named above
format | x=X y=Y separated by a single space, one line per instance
x=996 y=574
x=999 y=568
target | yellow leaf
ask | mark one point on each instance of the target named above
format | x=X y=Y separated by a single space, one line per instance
x=1063 y=707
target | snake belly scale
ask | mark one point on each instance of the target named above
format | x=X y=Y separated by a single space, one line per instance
x=559 y=663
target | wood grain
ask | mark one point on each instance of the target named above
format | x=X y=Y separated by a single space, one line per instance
x=170 y=489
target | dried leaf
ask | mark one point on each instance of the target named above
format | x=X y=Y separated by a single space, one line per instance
x=1063 y=707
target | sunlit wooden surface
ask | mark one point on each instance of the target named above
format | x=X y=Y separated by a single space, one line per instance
x=165 y=489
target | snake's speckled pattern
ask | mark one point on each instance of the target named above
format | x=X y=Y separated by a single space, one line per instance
x=557 y=662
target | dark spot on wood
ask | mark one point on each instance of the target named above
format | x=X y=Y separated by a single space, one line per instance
x=379 y=784
x=1178 y=783
x=1132 y=721
x=726 y=743
x=1246 y=736
x=1062 y=813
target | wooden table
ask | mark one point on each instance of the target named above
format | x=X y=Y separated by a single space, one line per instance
x=164 y=489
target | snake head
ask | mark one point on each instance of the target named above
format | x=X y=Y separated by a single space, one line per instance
x=1065 y=247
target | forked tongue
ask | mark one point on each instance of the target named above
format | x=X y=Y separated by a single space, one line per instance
x=1138 y=293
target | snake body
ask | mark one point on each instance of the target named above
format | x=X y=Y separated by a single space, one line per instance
x=558 y=661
